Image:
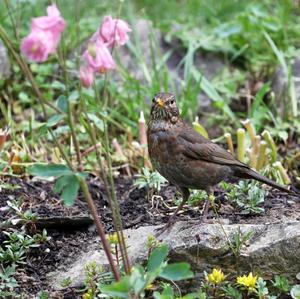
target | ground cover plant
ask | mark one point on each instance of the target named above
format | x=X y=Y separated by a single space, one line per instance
x=73 y=117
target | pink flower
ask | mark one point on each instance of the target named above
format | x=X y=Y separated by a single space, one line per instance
x=86 y=76
x=52 y=23
x=44 y=36
x=37 y=46
x=113 y=31
x=98 y=57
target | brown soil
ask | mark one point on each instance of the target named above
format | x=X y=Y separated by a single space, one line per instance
x=71 y=229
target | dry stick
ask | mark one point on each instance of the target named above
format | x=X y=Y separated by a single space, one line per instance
x=106 y=247
x=23 y=65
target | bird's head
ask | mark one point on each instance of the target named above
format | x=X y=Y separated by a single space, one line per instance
x=164 y=107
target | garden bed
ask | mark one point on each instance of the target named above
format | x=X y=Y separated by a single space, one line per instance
x=71 y=229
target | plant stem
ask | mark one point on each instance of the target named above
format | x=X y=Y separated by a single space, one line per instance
x=98 y=223
x=229 y=142
x=115 y=205
x=268 y=138
x=241 y=145
x=112 y=203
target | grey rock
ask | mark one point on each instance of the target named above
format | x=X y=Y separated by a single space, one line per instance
x=272 y=249
x=4 y=63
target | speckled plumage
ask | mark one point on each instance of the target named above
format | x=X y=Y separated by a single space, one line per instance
x=187 y=159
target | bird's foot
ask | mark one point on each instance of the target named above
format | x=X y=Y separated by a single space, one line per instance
x=204 y=219
x=164 y=228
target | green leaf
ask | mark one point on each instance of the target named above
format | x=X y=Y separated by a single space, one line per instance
x=54 y=119
x=97 y=121
x=118 y=289
x=70 y=190
x=166 y=294
x=193 y=296
x=48 y=170
x=295 y=291
x=157 y=257
x=200 y=129
x=58 y=85
x=62 y=103
x=60 y=183
x=138 y=279
x=177 y=271
x=73 y=97
x=212 y=93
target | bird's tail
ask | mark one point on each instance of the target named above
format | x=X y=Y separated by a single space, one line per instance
x=251 y=174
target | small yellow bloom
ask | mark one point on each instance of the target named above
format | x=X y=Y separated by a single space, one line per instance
x=216 y=276
x=149 y=287
x=112 y=239
x=247 y=281
x=87 y=295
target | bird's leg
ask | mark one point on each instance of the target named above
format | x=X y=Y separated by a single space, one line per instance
x=185 y=196
x=209 y=192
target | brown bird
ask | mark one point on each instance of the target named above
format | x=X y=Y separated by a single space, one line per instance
x=187 y=159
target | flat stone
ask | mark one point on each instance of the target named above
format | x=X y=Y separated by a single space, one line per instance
x=272 y=249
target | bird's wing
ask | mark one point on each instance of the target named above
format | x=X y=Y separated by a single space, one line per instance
x=196 y=146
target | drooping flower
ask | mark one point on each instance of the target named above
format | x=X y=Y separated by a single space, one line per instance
x=98 y=57
x=44 y=36
x=113 y=31
x=53 y=23
x=248 y=282
x=37 y=46
x=86 y=75
x=216 y=276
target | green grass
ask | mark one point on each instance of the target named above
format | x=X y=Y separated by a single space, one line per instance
x=234 y=30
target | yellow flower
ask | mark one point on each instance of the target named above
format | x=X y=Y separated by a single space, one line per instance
x=247 y=281
x=87 y=295
x=216 y=276
x=149 y=287
x=112 y=238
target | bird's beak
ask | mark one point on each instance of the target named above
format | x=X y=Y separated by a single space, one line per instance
x=160 y=103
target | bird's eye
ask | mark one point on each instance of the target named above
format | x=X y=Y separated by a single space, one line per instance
x=153 y=100
x=172 y=102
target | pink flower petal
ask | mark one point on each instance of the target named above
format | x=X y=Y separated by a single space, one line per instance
x=37 y=46
x=86 y=75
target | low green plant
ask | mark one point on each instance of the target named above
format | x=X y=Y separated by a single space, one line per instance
x=140 y=279
x=281 y=284
x=151 y=180
x=240 y=239
x=247 y=196
x=17 y=245
x=19 y=215
x=7 y=282
x=295 y=290
x=197 y=197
